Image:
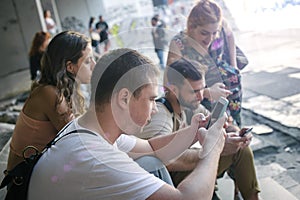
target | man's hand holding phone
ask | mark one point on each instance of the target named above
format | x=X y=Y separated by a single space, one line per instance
x=244 y=131
x=236 y=141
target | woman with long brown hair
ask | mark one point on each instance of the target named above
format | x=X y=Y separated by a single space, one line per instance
x=55 y=99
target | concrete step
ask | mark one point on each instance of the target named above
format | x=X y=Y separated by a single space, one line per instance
x=270 y=189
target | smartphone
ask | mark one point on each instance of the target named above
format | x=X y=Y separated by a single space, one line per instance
x=234 y=90
x=218 y=111
x=244 y=131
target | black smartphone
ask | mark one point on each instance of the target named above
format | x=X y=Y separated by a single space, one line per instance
x=234 y=90
x=244 y=131
x=218 y=111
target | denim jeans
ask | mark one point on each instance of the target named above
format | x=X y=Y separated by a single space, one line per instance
x=160 y=55
x=154 y=166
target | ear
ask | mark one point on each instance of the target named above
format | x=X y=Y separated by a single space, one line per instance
x=123 y=97
x=70 y=67
x=174 y=89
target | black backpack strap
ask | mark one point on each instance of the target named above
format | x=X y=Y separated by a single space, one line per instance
x=74 y=131
x=58 y=137
x=18 y=178
x=168 y=105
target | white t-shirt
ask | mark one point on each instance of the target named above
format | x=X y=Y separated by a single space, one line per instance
x=50 y=22
x=85 y=166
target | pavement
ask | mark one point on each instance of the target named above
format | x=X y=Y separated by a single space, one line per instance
x=270 y=104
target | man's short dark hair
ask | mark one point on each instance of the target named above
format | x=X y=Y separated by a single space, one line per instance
x=183 y=69
x=154 y=19
x=121 y=68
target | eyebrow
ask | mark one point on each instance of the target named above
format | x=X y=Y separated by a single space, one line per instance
x=208 y=32
x=198 y=90
x=205 y=31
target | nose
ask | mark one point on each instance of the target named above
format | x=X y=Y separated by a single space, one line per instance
x=93 y=64
x=199 y=96
x=154 y=109
x=209 y=38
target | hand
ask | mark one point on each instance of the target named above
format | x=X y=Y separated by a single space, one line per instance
x=212 y=139
x=216 y=91
x=234 y=143
x=226 y=124
x=199 y=120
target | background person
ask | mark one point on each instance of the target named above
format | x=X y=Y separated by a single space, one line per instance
x=37 y=49
x=102 y=27
x=159 y=40
x=50 y=23
x=55 y=99
x=95 y=35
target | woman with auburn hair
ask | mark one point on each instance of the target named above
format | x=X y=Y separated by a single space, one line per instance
x=39 y=44
x=203 y=41
x=55 y=99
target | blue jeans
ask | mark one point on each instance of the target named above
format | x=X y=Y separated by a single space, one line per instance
x=154 y=166
x=160 y=55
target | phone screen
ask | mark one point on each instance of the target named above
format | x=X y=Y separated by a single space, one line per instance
x=218 y=111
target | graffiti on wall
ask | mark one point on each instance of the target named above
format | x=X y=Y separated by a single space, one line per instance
x=74 y=24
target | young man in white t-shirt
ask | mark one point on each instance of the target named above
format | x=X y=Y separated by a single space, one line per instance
x=100 y=165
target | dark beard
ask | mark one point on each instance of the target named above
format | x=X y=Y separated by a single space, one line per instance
x=185 y=104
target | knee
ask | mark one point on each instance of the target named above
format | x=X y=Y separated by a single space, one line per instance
x=150 y=163
x=247 y=152
x=245 y=155
x=154 y=166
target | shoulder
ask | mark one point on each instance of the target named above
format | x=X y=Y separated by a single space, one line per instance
x=162 y=114
x=44 y=92
x=179 y=40
x=47 y=92
x=161 y=123
x=46 y=97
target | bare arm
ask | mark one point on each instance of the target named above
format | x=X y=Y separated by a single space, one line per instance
x=174 y=53
x=170 y=146
x=200 y=183
x=166 y=147
x=216 y=91
x=186 y=162
x=42 y=106
x=230 y=42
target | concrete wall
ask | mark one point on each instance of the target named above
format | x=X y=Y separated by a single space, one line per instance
x=21 y=19
x=75 y=14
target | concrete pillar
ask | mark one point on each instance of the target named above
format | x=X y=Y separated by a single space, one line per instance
x=20 y=21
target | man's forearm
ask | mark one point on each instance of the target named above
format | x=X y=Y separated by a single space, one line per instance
x=203 y=175
x=187 y=161
x=170 y=146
